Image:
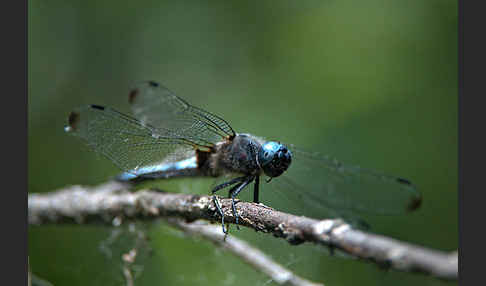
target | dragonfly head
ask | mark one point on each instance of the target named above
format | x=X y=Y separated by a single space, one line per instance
x=274 y=158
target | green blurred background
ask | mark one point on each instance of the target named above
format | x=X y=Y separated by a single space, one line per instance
x=373 y=83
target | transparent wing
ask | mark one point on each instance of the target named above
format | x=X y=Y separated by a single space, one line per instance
x=327 y=187
x=166 y=128
x=156 y=105
x=126 y=141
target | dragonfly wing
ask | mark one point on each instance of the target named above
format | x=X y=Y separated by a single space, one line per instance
x=126 y=141
x=337 y=188
x=156 y=105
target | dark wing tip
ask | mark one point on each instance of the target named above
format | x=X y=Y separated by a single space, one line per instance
x=416 y=200
x=153 y=83
x=132 y=95
x=404 y=181
x=97 y=107
x=415 y=203
x=73 y=120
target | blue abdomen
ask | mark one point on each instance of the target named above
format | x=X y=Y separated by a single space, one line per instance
x=160 y=171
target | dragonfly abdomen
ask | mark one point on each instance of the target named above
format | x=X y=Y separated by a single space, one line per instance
x=183 y=168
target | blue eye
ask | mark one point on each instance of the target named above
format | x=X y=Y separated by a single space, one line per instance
x=274 y=158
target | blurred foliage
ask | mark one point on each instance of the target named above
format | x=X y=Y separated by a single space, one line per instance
x=373 y=83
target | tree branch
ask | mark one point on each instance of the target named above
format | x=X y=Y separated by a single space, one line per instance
x=112 y=202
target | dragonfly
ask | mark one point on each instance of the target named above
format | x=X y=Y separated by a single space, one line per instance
x=169 y=138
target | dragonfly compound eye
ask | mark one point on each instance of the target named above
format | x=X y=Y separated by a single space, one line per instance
x=274 y=158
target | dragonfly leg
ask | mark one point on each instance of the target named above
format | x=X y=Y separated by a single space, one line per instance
x=256 y=189
x=220 y=211
x=227 y=184
x=233 y=208
x=234 y=192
